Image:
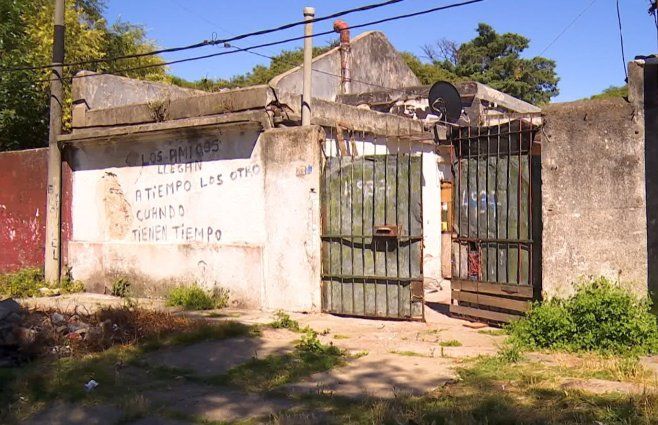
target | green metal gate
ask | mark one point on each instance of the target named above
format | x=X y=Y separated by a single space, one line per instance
x=372 y=236
x=496 y=249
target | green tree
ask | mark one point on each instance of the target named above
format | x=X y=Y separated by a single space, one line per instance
x=26 y=40
x=493 y=59
x=260 y=74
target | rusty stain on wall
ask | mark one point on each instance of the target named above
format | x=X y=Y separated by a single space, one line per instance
x=114 y=208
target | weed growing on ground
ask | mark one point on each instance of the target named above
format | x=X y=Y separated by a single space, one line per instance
x=601 y=316
x=23 y=283
x=136 y=332
x=193 y=297
x=121 y=288
x=310 y=356
x=282 y=320
x=29 y=282
x=407 y=353
x=450 y=343
x=493 y=332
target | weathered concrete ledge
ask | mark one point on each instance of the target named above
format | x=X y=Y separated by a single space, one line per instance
x=257 y=97
x=468 y=91
x=134 y=132
x=332 y=114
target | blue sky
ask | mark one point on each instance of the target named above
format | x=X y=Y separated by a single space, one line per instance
x=588 y=54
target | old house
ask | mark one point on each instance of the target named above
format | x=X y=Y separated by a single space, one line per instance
x=378 y=200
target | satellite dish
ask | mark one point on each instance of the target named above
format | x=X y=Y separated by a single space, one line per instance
x=445 y=101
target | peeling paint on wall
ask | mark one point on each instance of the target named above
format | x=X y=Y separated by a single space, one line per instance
x=22 y=200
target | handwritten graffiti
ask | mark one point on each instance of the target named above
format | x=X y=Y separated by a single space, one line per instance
x=182 y=154
x=178 y=233
x=160 y=212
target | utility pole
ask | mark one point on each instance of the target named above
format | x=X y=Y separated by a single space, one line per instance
x=309 y=14
x=53 y=205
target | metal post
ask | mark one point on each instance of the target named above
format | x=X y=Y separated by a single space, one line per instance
x=53 y=210
x=309 y=14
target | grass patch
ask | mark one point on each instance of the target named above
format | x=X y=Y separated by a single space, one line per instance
x=310 y=356
x=450 y=343
x=118 y=369
x=490 y=390
x=339 y=336
x=407 y=353
x=282 y=320
x=193 y=297
x=493 y=332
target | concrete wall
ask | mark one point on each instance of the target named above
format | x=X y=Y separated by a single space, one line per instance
x=375 y=64
x=22 y=208
x=593 y=194
x=190 y=206
x=102 y=91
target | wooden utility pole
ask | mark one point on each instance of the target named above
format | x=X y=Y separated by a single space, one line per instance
x=54 y=199
x=309 y=14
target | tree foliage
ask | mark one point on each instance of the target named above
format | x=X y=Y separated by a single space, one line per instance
x=260 y=74
x=493 y=59
x=26 y=33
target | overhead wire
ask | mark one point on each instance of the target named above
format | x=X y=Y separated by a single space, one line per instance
x=568 y=26
x=621 y=41
x=273 y=43
x=211 y=23
x=210 y=42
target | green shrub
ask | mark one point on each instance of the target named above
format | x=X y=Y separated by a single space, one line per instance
x=193 y=297
x=282 y=320
x=70 y=286
x=121 y=288
x=600 y=316
x=23 y=283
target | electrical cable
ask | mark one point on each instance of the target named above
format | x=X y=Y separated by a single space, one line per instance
x=274 y=43
x=209 y=42
x=621 y=41
x=565 y=29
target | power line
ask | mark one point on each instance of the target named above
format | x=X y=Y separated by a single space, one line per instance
x=573 y=21
x=274 y=43
x=210 y=42
x=210 y=23
x=621 y=41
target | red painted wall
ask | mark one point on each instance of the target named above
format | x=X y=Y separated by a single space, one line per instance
x=23 y=176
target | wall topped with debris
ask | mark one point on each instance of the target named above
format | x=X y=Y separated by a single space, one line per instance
x=373 y=63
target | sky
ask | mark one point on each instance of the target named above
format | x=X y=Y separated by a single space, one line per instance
x=588 y=53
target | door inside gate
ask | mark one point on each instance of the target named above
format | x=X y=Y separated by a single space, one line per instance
x=496 y=251
x=372 y=236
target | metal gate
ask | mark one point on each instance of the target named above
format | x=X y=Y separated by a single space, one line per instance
x=496 y=247
x=372 y=234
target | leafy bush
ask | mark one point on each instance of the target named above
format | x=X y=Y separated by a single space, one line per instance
x=29 y=282
x=70 y=286
x=193 y=297
x=23 y=283
x=121 y=288
x=283 y=321
x=600 y=316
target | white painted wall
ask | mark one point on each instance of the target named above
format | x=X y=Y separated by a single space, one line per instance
x=228 y=206
x=172 y=208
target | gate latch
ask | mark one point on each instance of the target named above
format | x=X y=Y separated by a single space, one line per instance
x=388 y=231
